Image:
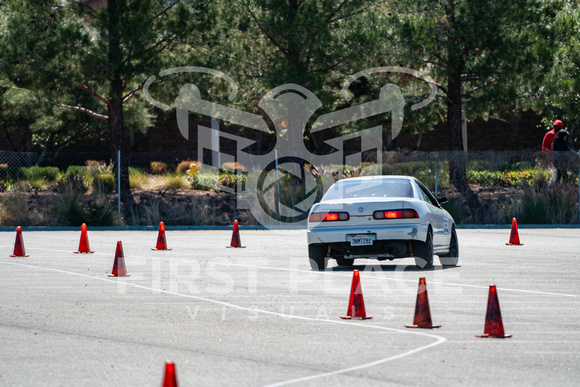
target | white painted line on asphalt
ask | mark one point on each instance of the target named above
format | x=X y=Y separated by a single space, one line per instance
x=438 y=339
x=402 y=280
x=349 y=274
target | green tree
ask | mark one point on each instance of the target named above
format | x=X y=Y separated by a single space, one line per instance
x=315 y=44
x=561 y=92
x=473 y=50
x=66 y=51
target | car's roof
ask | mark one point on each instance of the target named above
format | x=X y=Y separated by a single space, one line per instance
x=379 y=177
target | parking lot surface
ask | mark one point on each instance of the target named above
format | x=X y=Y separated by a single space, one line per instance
x=258 y=315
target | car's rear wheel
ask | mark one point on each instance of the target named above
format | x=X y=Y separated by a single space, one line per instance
x=317 y=255
x=424 y=252
x=341 y=261
x=452 y=257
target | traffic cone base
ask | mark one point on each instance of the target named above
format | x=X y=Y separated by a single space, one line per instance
x=236 y=242
x=356 y=304
x=493 y=322
x=19 y=250
x=422 y=317
x=514 y=236
x=423 y=326
x=161 y=240
x=119 y=268
x=84 y=243
x=504 y=336
x=356 y=318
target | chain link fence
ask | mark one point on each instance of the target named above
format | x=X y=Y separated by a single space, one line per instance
x=68 y=189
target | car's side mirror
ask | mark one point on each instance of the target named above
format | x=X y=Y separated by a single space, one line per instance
x=443 y=200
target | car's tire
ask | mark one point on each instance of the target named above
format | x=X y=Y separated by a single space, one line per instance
x=341 y=261
x=317 y=255
x=424 y=252
x=452 y=257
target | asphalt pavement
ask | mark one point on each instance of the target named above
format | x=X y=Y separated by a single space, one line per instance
x=259 y=316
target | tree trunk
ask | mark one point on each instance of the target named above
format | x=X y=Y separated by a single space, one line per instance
x=457 y=163
x=514 y=128
x=115 y=107
x=117 y=133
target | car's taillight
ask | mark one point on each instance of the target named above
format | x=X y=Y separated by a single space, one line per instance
x=395 y=214
x=329 y=216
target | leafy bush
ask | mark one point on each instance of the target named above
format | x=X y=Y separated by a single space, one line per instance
x=507 y=179
x=76 y=182
x=136 y=178
x=48 y=174
x=177 y=182
x=234 y=166
x=15 y=210
x=72 y=208
x=158 y=168
x=24 y=186
x=76 y=169
x=231 y=180
x=104 y=183
x=183 y=166
x=555 y=205
x=5 y=185
x=95 y=168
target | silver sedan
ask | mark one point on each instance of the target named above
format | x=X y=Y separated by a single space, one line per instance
x=380 y=217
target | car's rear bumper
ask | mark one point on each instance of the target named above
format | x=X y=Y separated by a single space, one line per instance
x=328 y=235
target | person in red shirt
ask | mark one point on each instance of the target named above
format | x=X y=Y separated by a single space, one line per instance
x=549 y=137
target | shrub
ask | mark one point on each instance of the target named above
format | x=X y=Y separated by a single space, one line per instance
x=95 y=167
x=4 y=185
x=76 y=169
x=234 y=166
x=158 y=168
x=104 y=183
x=49 y=174
x=72 y=208
x=74 y=182
x=230 y=180
x=507 y=179
x=205 y=181
x=137 y=178
x=24 y=186
x=555 y=205
x=183 y=166
x=15 y=210
x=177 y=182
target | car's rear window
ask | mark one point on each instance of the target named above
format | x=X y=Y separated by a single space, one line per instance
x=350 y=189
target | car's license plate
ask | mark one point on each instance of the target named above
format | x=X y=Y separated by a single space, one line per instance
x=361 y=240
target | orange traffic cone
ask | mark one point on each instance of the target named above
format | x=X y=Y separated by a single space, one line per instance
x=170 y=379
x=422 y=314
x=161 y=241
x=19 y=244
x=119 y=269
x=84 y=243
x=514 y=237
x=356 y=303
x=493 y=323
x=236 y=237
